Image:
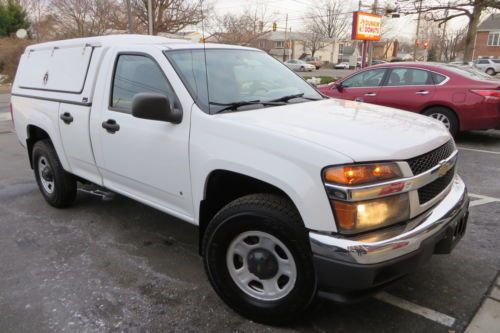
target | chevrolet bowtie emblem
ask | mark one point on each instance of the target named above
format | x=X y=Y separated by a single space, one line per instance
x=444 y=167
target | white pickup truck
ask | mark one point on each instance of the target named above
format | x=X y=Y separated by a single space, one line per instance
x=296 y=195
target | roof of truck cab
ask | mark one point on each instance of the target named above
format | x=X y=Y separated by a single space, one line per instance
x=127 y=39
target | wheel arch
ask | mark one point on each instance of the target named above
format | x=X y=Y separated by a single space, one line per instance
x=34 y=134
x=223 y=186
x=446 y=106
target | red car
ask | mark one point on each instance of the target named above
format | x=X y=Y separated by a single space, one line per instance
x=462 y=98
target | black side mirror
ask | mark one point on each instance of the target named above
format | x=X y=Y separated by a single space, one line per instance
x=155 y=106
x=338 y=86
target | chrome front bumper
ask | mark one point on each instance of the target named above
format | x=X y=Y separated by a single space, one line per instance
x=391 y=243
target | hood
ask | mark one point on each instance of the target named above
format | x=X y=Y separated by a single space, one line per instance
x=364 y=132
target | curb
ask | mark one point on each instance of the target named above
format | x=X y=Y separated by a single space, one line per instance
x=487 y=318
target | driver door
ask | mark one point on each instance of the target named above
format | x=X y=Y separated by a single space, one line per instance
x=145 y=159
x=363 y=86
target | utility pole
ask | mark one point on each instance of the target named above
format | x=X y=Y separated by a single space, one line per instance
x=129 y=15
x=370 y=45
x=150 y=17
x=285 y=45
x=418 y=31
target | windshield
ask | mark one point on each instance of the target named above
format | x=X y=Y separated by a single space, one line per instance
x=236 y=76
x=469 y=72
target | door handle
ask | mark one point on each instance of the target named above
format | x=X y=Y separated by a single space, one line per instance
x=67 y=118
x=111 y=126
x=371 y=94
x=422 y=92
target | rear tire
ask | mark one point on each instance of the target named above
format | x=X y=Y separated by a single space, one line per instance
x=446 y=116
x=58 y=187
x=268 y=228
x=302 y=69
x=490 y=71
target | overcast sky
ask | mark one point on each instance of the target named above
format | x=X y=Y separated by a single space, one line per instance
x=404 y=27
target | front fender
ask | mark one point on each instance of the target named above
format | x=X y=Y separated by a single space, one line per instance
x=292 y=165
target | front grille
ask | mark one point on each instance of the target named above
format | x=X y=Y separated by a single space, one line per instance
x=431 y=190
x=429 y=160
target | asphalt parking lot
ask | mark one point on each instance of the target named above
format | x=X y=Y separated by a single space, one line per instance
x=118 y=265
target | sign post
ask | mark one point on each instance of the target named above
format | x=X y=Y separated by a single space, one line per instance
x=366 y=27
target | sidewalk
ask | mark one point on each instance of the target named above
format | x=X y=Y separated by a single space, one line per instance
x=487 y=318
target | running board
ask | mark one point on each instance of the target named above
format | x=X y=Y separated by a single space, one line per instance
x=99 y=192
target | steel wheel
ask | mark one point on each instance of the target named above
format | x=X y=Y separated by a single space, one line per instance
x=442 y=118
x=46 y=175
x=261 y=265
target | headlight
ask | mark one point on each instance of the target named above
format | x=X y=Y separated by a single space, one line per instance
x=359 y=216
x=353 y=217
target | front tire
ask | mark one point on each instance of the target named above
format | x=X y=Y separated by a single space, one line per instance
x=490 y=71
x=258 y=259
x=58 y=187
x=446 y=116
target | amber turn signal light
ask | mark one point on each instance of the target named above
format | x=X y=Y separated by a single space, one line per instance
x=361 y=174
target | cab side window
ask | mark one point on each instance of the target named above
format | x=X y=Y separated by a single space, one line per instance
x=371 y=78
x=137 y=74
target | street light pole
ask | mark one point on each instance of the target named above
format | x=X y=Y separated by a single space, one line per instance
x=150 y=17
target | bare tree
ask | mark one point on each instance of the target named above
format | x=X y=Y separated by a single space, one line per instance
x=444 y=10
x=242 y=29
x=171 y=15
x=453 y=43
x=79 y=18
x=331 y=18
x=37 y=12
x=315 y=40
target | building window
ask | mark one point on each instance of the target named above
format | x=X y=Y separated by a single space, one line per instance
x=494 y=39
x=280 y=44
x=262 y=44
x=341 y=53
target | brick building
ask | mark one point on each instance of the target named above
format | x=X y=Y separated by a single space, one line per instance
x=488 y=38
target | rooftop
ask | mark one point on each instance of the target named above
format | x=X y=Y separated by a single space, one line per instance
x=492 y=22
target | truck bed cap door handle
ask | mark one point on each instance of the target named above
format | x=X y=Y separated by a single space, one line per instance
x=111 y=126
x=67 y=118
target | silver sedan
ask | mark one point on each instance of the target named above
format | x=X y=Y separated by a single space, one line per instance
x=299 y=65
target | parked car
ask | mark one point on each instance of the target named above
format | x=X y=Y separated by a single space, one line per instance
x=299 y=65
x=295 y=195
x=489 y=66
x=460 y=97
x=342 y=65
x=314 y=61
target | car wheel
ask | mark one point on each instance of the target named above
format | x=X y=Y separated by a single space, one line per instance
x=490 y=71
x=258 y=259
x=446 y=116
x=58 y=187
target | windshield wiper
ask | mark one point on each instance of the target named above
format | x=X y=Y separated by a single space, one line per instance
x=289 y=97
x=236 y=105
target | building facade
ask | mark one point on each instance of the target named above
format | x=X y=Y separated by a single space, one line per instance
x=487 y=43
